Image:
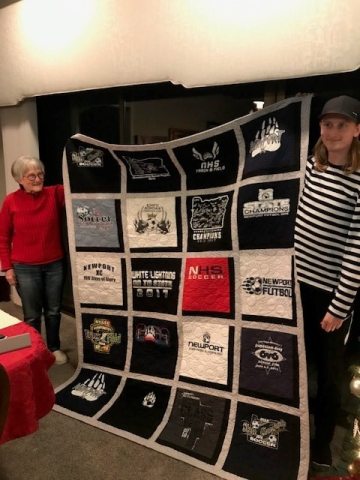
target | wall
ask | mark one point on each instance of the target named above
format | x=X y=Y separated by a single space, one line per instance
x=19 y=137
x=2 y=168
x=155 y=117
x=69 y=45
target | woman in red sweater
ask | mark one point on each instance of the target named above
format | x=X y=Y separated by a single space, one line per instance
x=31 y=251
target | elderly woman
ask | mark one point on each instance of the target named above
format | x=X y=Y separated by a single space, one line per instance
x=31 y=251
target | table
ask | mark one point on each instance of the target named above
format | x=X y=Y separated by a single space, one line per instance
x=31 y=392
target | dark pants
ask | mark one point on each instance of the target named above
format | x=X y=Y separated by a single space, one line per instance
x=40 y=288
x=325 y=352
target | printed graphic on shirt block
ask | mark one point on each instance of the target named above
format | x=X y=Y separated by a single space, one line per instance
x=155 y=284
x=210 y=162
x=101 y=280
x=197 y=425
x=209 y=287
x=155 y=347
x=97 y=225
x=91 y=169
x=152 y=223
x=151 y=171
x=89 y=392
x=266 y=214
x=264 y=441
x=269 y=366
x=273 y=142
x=207 y=352
x=144 y=405
x=267 y=288
x=104 y=339
x=209 y=222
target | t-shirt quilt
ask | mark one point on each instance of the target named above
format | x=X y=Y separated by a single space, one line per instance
x=189 y=323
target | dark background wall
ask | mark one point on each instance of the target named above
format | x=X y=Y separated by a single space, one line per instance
x=103 y=114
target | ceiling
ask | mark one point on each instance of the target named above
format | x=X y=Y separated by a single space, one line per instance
x=74 y=45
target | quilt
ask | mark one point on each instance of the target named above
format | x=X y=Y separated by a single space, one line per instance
x=189 y=323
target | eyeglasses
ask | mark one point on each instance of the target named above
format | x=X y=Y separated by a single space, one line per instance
x=32 y=176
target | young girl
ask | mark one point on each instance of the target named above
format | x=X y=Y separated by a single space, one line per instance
x=327 y=246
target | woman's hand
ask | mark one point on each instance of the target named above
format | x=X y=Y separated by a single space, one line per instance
x=330 y=323
x=10 y=277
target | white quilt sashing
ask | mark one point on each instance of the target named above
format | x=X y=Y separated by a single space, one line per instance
x=188 y=314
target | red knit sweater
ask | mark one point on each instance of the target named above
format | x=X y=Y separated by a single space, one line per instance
x=30 y=227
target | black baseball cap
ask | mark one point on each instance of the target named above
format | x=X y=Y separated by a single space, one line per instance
x=347 y=106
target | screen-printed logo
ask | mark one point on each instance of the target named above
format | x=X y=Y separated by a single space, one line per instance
x=102 y=335
x=269 y=355
x=266 y=205
x=209 y=160
x=268 y=286
x=152 y=334
x=207 y=217
x=268 y=139
x=149 y=400
x=152 y=218
x=206 y=345
x=196 y=418
x=88 y=157
x=263 y=431
x=148 y=168
x=92 y=389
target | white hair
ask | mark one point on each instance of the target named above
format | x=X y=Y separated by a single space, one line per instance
x=23 y=164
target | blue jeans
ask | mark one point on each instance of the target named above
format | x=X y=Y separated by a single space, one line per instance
x=40 y=288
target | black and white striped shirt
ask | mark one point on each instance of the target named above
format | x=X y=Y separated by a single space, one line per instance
x=327 y=234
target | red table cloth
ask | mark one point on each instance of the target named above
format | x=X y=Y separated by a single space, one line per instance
x=31 y=392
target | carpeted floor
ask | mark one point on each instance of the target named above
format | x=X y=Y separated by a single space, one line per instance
x=64 y=448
